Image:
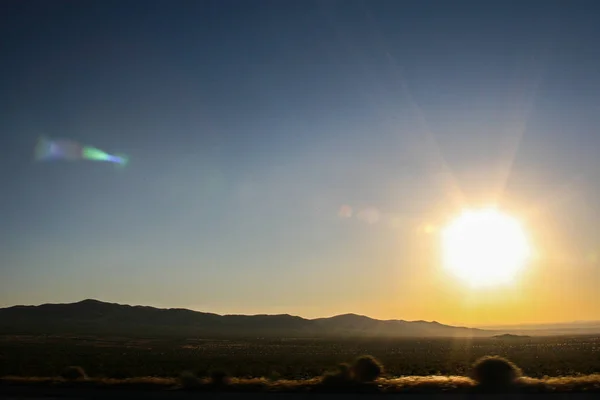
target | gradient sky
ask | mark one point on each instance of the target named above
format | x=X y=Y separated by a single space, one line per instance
x=288 y=156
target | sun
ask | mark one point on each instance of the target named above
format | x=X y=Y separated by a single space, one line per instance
x=485 y=247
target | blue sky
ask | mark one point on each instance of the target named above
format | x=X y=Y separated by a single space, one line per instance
x=249 y=124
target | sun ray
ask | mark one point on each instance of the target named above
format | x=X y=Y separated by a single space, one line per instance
x=443 y=173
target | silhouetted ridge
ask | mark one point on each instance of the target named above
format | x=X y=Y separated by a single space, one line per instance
x=509 y=336
x=96 y=317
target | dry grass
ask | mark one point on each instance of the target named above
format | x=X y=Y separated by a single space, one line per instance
x=100 y=383
x=583 y=383
x=406 y=384
x=427 y=384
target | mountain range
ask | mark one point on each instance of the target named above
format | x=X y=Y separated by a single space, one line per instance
x=93 y=317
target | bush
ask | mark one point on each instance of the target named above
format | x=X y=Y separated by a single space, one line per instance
x=219 y=378
x=366 y=369
x=494 y=372
x=274 y=376
x=342 y=376
x=344 y=371
x=73 y=373
x=188 y=380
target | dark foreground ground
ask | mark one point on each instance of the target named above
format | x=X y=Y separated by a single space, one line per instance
x=35 y=394
x=288 y=358
x=286 y=368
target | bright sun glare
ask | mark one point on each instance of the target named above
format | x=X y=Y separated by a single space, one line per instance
x=484 y=247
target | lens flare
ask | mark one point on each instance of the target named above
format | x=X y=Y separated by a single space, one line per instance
x=63 y=149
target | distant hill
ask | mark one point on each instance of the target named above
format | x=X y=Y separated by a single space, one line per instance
x=93 y=317
x=508 y=336
x=563 y=329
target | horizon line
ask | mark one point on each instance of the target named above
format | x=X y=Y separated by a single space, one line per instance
x=457 y=325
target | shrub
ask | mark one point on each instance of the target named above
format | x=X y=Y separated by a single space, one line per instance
x=494 y=372
x=274 y=376
x=344 y=371
x=219 y=378
x=341 y=376
x=73 y=373
x=366 y=369
x=188 y=380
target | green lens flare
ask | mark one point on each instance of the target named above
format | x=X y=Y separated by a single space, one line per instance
x=70 y=150
x=92 y=153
